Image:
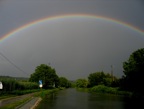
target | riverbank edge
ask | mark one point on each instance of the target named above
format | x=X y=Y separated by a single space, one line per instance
x=105 y=90
x=24 y=103
x=38 y=98
x=36 y=103
x=30 y=105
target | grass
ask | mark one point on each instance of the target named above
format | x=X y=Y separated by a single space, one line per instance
x=6 y=96
x=43 y=92
x=23 y=92
x=83 y=89
x=17 y=92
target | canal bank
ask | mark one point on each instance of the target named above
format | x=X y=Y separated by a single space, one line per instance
x=12 y=100
x=27 y=101
x=34 y=102
x=31 y=104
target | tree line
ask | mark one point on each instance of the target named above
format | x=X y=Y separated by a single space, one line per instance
x=49 y=77
x=132 y=80
x=97 y=78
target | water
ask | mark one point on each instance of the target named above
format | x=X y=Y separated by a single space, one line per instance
x=72 y=99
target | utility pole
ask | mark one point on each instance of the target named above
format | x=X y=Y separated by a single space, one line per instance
x=112 y=72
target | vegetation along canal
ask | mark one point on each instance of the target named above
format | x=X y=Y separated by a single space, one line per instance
x=73 y=99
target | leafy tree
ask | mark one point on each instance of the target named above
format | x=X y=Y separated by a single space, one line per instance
x=96 y=78
x=81 y=83
x=100 y=78
x=46 y=74
x=110 y=80
x=134 y=72
x=63 y=82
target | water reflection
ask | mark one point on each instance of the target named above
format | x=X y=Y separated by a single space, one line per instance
x=72 y=99
x=48 y=102
x=134 y=103
x=105 y=101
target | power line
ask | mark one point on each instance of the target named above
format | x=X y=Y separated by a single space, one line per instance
x=18 y=68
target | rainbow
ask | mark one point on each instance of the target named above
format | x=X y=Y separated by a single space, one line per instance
x=52 y=18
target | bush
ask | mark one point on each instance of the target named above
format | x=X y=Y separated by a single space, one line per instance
x=110 y=90
x=104 y=89
x=99 y=88
x=10 y=85
x=81 y=83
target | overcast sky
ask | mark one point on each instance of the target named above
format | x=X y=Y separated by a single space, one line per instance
x=74 y=46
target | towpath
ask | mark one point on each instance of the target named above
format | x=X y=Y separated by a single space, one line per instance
x=32 y=102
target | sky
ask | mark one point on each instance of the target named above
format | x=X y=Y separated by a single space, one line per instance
x=77 y=37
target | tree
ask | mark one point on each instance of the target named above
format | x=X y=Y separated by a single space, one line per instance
x=81 y=83
x=46 y=74
x=96 y=78
x=63 y=82
x=134 y=72
x=101 y=78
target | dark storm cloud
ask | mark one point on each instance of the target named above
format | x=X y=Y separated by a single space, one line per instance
x=74 y=49
x=15 y=13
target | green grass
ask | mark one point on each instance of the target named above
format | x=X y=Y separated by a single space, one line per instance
x=43 y=92
x=22 y=92
x=83 y=89
x=6 y=96
x=17 y=92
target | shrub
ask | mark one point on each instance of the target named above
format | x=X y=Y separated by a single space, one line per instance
x=10 y=85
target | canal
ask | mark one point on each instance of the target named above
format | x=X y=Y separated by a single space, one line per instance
x=73 y=99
